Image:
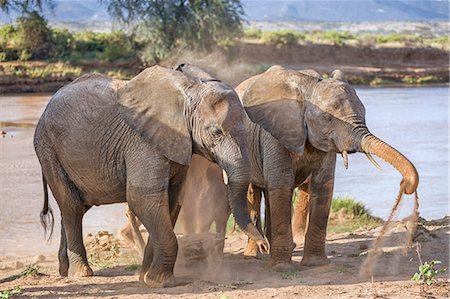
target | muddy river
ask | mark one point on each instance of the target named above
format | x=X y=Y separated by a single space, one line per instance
x=414 y=120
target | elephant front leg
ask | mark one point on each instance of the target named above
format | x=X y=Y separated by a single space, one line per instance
x=280 y=234
x=322 y=183
x=161 y=249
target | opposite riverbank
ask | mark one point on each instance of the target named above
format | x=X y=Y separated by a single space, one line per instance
x=363 y=65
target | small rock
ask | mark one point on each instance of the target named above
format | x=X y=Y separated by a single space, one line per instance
x=39 y=258
x=363 y=246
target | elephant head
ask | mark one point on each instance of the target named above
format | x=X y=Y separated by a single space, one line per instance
x=182 y=115
x=299 y=106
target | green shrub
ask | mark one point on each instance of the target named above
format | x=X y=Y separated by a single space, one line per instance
x=6 y=294
x=254 y=33
x=336 y=38
x=282 y=37
x=33 y=36
x=427 y=272
x=397 y=37
x=62 y=40
x=349 y=206
x=423 y=79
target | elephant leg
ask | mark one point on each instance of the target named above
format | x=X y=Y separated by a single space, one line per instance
x=254 y=207
x=301 y=213
x=148 y=199
x=72 y=222
x=133 y=226
x=175 y=200
x=221 y=227
x=322 y=183
x=72 y=211
x=280 y=202
x=164 y=243
x=267 y=218
x=63 y=258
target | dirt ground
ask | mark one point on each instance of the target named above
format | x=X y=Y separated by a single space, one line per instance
x=236 y=276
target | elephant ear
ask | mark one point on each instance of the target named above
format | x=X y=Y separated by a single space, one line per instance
x=153 y=103
x=274 y=100
x=284 y=120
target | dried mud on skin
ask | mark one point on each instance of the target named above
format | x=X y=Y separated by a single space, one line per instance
x=235 y=276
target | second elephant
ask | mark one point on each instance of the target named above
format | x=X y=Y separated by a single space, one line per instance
x=300 y=122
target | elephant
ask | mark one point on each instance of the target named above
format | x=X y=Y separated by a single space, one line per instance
x=315 y=119
x=299 y=122
x=103 y=141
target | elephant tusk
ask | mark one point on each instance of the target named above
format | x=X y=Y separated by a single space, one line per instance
x=371 y=159
x=225 y=177
x=345 y=158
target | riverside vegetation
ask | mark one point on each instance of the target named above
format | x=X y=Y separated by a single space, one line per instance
x=30 y=49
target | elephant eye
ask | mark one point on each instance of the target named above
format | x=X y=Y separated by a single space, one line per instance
x=215 y=131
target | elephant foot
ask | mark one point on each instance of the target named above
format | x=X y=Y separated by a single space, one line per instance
x=251 y=249
x=83 y=271
x=282 y=267
x=64 y=269
x=159 y=279
x=314 y=261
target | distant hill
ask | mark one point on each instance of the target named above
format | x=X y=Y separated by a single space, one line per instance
x=271 y=10
x=347 y=10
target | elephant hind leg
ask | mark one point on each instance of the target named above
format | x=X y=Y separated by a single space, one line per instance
x=63 y=258
x=71 y=251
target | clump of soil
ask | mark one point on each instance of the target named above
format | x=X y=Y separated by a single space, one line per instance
x=199 y=248
x=102 y=246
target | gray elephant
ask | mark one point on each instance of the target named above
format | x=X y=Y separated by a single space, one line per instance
x=101 y=141
x=300 y=122
x=315 y=118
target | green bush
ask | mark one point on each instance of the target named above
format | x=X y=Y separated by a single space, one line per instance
x=397 y=38
x=282 y=37
x=34 y=38
x=336 y=38
x=62 y=40
x=89 y=45
x=254 y=33
x=349 y=206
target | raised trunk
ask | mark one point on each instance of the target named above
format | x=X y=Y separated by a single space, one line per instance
x=373 y=145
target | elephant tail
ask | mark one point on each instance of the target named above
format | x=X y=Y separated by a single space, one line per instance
x=47 y=218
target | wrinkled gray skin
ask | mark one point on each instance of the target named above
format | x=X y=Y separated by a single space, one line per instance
x=310 y=120
x=101 y=141
x=314 y=119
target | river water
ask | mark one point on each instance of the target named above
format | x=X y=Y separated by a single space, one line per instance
x=414 y=120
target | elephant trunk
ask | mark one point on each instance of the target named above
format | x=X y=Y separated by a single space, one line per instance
x=373 y=145
x=238 y=174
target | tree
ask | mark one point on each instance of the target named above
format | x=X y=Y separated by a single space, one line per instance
x=34 y=36
x=161 y=25
x=25 y=6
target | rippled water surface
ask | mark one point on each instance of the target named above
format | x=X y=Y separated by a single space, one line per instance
x=414 y=120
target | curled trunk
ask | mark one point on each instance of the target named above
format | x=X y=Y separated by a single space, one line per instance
x=373 y=145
